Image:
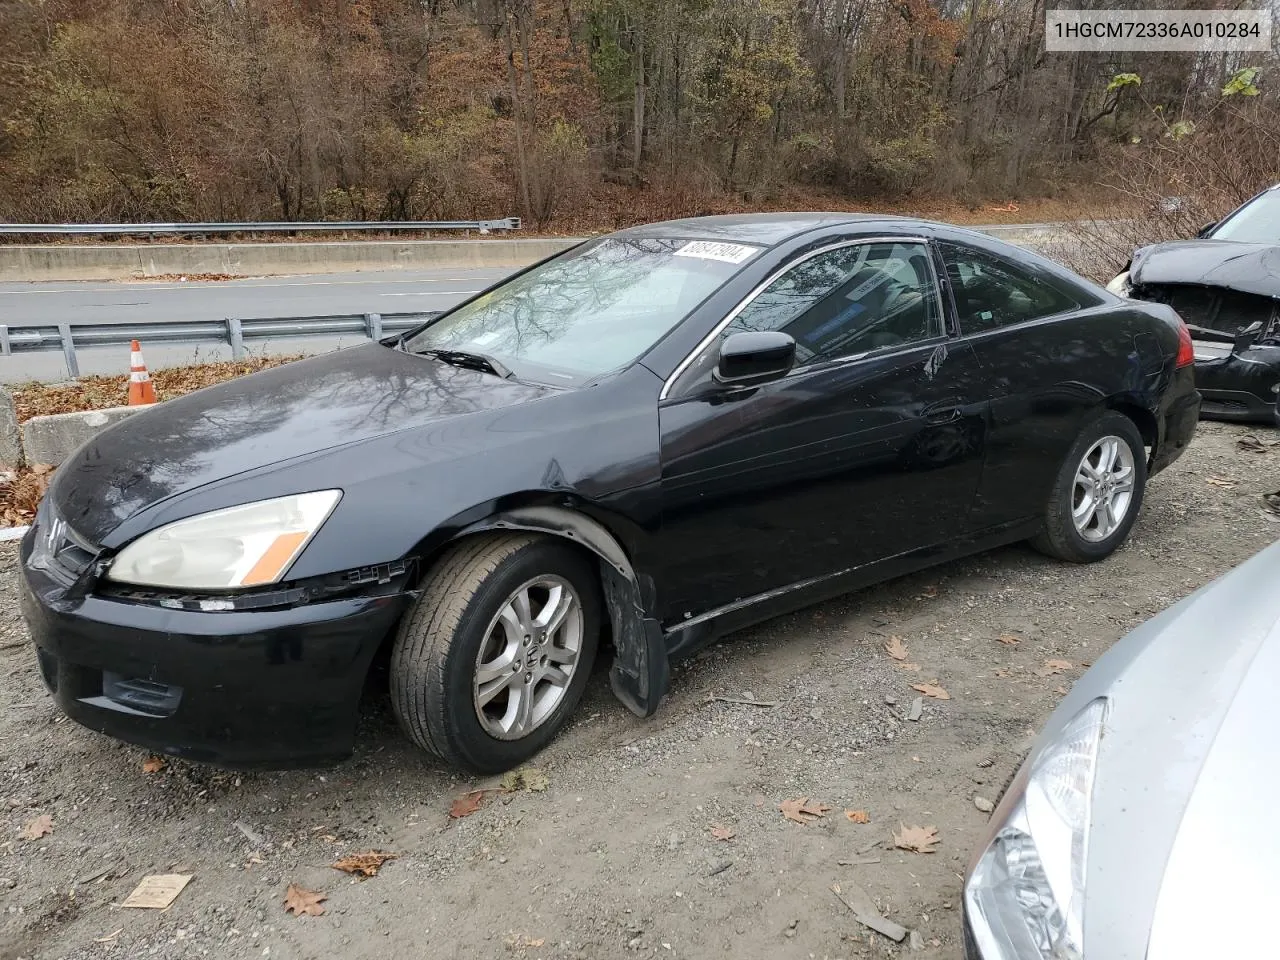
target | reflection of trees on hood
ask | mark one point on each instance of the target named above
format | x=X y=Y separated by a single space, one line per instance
x=336 y=398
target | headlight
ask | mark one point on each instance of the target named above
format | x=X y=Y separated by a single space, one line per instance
x=1025 y=898
x=237 y=547
x=1120 y=286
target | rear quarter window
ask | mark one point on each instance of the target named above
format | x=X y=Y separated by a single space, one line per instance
x=992 y=292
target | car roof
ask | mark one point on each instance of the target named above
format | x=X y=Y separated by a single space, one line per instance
x=768 y=229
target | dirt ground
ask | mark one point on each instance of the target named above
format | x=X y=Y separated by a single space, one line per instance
x=616 y=857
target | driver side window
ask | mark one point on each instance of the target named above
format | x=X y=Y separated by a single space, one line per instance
x=849 y=300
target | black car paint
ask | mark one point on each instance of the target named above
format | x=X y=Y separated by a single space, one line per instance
x=1220 y=287
x=949 y=448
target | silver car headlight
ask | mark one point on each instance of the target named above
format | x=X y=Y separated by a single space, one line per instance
x=243 y=546
x=1120 y=286
x=1025 y=897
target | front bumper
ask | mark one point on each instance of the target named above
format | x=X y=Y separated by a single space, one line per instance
x=1239 y=387
x=243 y=689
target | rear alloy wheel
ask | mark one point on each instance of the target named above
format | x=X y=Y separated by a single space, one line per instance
x=1097 y=493
x=494 y=656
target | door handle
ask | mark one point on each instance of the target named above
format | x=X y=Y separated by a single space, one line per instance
x=944 y=412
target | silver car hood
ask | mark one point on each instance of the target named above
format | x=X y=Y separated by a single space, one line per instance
x=1182 y=849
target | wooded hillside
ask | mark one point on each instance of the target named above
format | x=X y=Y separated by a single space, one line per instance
x=560 y=110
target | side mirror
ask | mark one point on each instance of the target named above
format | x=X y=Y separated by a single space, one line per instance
x=1247 y=337
x=747 y=359
x=1204 y=231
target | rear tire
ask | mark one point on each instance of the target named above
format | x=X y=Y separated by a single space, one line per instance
x=476 y=679
x=1097 y=493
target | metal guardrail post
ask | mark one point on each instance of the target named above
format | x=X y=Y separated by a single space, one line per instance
x=373 y=325
x=4 y=340
x=235 y=336
x=69 y=350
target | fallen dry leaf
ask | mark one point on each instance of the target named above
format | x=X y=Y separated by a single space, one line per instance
x=41 y=826
x=154 y=764
x=931 y=690
x=367 y=863
x=723 y=833
x=916 y=839
x=801 y=811
x=1007 y=638
x=913 y=667
x=1051 y=667
x=526 y=778
x=302 y=902
x=1225 y=482
x=896 y=648
x=858 y=816
x=467 y=804
x=928 y=593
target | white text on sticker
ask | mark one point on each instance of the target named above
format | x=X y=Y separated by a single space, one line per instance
x=710 y=250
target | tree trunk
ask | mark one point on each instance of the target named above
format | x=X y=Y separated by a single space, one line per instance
x=513 y=85
x=637 y=124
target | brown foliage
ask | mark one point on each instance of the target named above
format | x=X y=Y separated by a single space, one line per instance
x=94 y=393
x=21 y=491
x=574 y=115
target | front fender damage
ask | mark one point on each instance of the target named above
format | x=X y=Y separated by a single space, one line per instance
x=640 y=674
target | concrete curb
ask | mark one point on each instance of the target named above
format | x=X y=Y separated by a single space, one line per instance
x=10 y=435
x=52 y=439
x=35 y=262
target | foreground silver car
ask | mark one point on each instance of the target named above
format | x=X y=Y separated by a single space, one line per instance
x=1141 y=825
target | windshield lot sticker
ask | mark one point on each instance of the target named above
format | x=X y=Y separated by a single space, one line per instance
x=708 y=250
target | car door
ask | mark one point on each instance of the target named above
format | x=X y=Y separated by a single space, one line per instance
x=870 y=447
x=1040 y=360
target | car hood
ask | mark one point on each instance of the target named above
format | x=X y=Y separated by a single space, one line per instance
x=1244 y=267
x=1180 y=845
x=337 y=400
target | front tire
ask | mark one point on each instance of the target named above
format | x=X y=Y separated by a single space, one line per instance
x=1097 y=493
x=494 y=656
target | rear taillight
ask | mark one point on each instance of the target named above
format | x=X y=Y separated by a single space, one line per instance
x=1186 y=349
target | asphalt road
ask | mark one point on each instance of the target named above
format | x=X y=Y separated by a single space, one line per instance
x=398 y=291
x=389 y=291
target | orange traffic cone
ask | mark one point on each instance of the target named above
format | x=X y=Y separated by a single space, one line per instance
x=140 y=388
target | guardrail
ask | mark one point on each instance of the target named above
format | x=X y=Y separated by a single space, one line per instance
x=198 y=229
x=235 y=332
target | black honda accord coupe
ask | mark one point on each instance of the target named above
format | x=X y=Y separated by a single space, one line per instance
x=639 y=444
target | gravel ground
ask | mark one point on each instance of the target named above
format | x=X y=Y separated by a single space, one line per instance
x=616 y=857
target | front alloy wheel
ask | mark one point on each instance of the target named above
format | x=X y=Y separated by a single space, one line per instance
x=528 y=658
x=494 y=656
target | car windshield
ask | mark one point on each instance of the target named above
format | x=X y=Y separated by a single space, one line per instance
x=589 y=312
x=1256 y=222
